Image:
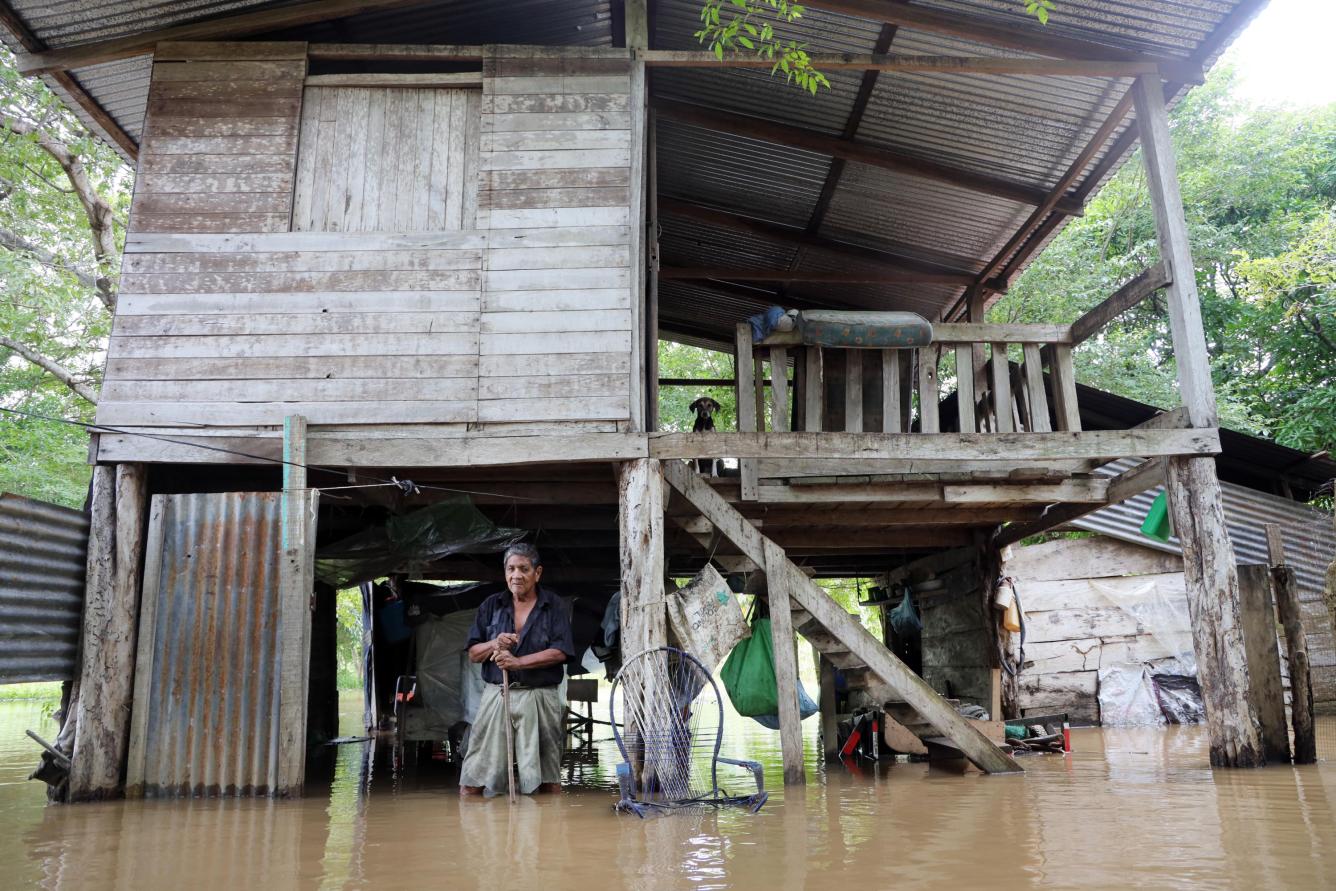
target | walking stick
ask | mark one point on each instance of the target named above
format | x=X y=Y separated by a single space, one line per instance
x=510 y=736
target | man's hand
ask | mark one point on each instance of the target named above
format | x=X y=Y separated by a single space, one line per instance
x=506 y=641
x=507 y=660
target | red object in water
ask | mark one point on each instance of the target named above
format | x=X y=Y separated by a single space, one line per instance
x=851 y=744
x=1066 y=738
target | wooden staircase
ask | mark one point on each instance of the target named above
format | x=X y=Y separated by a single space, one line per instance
x=833 y=630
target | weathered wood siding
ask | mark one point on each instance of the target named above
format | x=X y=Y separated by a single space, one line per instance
x=387 y=160
x=220 y=142
x=378 y=256
x=556 y=334
x=225 y=330
x=1086 y=603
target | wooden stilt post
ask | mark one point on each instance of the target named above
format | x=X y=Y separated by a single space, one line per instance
x=786 y=665
x=830 y=747
x=1286 y=588
x=1194 y=490
x=111 y=619
x=296 y=583
x=640 y=518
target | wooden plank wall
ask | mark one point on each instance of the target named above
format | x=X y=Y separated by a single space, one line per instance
x=387 y=160
x=352 y=328
x=221 y=138
x=555 y=341
x=457 y=258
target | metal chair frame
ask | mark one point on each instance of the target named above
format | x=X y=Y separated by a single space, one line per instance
x=640 y=801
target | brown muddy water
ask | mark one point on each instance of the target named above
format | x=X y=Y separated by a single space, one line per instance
x=1131 y=808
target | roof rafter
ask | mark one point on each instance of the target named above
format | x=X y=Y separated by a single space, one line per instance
x=1003 y=33
x=239 y=25
x=849 y=150
x=959 y=269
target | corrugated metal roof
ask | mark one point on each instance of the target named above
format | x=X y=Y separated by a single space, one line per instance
x=1310 y=546
x=43 y=557
x=1025 y=130
x=207 y=715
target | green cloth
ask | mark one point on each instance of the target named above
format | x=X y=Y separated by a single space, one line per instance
x=749 y=673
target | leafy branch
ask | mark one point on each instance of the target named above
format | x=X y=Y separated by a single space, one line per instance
x=730 y=26
x=734 y=26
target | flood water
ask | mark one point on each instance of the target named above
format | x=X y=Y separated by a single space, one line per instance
x=1129 y=808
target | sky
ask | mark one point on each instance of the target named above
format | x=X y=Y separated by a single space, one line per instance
x=1288 y=54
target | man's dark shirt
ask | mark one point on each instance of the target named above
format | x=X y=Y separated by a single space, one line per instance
x=547 y=628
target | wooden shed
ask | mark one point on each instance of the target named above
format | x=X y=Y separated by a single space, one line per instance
x=385 y=240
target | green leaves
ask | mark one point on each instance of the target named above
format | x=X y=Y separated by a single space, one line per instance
x=746 y=26
x=1039 y=9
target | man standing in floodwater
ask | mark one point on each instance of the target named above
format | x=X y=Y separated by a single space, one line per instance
x=526 y=631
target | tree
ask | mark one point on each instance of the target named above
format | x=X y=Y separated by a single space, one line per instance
x=1259 y=189
x=63 y=200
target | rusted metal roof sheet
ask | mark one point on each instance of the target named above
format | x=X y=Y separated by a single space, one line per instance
x=43 y=554
x=1310 y=546
x=206 y=711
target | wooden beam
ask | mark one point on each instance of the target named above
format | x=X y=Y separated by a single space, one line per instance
x=889 y=258
x=1259 y=642
x=979 y=332
x=239 y=25
x=830 y=746
x=999 y=373
x=779 y=392
x=890 y=391
x=965 y=388
x=1137 y=289
x=814 y=141
x=749 y=418
x=1286 y=588
x=929 y=391
x=814 y=389
x=393 y=52
x=853 y=391
x=886 y=276
x=640 y=489
x=1190 y=353
x=833 y=618
x=1131 y=482
x=895 y=62
x=1106 y=444
x=786 y=663
x=1002 y=32
x=456 y=79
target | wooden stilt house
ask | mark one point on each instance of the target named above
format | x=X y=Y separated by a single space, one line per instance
x=441 y=241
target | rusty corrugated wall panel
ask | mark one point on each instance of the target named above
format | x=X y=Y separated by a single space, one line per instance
x=43 y=555
x=1310 y=545
x=206 y=712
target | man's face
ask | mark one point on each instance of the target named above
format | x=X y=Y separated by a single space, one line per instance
x=521 y=575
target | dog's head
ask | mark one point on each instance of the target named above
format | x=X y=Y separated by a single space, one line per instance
x=704 y=407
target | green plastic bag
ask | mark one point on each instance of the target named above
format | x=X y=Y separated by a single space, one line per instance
x=749 y=673
x=1157 y=524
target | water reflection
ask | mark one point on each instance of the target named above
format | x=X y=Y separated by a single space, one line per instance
x=1132 y=807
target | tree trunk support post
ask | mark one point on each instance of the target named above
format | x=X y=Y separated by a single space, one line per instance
x=110 y=627
x=1286 y=588
x=1194 y=490
x=830 y=744
x=640 y=519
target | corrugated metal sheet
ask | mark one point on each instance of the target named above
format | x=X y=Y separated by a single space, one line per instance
x=206 y=711
x=1026 y=130
x=1310 y=546
x=43 y=554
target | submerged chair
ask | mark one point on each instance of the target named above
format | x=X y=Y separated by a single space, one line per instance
x=668 y=719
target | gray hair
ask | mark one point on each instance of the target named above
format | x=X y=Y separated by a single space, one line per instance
x=525 y=550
